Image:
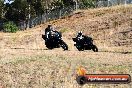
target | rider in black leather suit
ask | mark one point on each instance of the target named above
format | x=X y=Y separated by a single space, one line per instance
x=84 y=39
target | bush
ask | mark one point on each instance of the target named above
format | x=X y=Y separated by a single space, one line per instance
x=10 y=27
x=88 y=4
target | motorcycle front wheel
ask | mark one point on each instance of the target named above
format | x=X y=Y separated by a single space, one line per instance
x=49 y=46
x=79 y=47
x=64 y=45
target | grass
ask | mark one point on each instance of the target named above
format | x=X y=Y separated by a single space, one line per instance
x=64 y=30
x=47 y=71
x=99 y=14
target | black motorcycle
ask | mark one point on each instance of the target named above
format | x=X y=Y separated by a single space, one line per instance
x=85 y=44
x=54 y=42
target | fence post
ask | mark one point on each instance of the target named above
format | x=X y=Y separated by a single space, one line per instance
x=108 y=4
x=76 y=5
x=60 y=14
x=125 y=2
x=29 y=16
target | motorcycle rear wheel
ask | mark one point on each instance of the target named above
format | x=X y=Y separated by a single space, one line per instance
x=94 y=48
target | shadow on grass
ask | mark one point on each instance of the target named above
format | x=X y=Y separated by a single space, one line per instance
x=127 y=52
x=27 y=49
x=34 y=49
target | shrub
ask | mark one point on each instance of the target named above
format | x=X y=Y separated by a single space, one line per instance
x=63 y=30
x=88 y=4
x=10 y=27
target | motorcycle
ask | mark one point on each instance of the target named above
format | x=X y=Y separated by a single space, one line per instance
x=54 y=42
x=85 y=44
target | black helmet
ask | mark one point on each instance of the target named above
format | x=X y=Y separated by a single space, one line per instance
x=49 y=26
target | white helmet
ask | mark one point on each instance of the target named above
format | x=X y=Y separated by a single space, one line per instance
x=80 y=33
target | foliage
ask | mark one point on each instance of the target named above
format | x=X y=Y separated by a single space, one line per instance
x=10 y=27
x=88 y=4
x=63 y=30
x=19 y=9
x=16 y=11
x=1 y=8
x=68 y=2
x=36 y=5
x=57 y=4
x=22 y=10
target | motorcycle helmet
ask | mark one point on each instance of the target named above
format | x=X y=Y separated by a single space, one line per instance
x=80 y=33
x=50 y=27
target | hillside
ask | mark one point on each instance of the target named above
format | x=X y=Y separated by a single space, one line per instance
x=25 y=62
x=109 y=27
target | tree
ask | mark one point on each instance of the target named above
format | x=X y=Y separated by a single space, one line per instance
x=37 y=6
x=88 y=3
x=68 y=2
x=56 y=4
x=1 y=8
x=16 y=11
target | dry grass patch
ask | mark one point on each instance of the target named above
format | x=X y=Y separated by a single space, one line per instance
x=47 y=71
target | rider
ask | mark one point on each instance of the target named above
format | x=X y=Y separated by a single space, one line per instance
x=50 y=30
x=84 y=38
x=80 y=35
